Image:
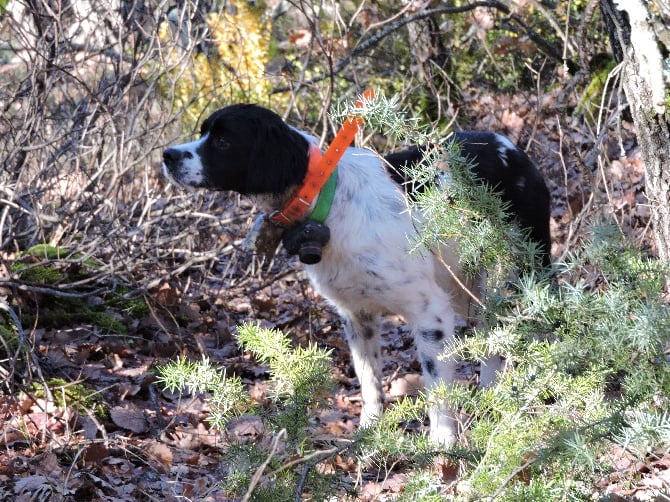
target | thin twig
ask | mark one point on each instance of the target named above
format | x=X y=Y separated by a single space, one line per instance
x=459 y=282
x=259 y=472
x=373 y=40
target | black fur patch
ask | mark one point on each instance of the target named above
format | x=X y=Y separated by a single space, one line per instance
x=433 y=335
x=429 y=366
x=501 y=167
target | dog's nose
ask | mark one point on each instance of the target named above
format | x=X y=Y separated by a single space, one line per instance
x=172 y=156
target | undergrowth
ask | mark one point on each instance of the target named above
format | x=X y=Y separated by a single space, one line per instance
x=587 y=348
x=587 y=370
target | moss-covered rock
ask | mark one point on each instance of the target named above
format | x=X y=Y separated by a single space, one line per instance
x=47 y=265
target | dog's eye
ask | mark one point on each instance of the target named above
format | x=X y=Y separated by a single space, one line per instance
x=221 y=143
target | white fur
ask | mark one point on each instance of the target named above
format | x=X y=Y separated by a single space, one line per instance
x=190 y=172
x=368 y=269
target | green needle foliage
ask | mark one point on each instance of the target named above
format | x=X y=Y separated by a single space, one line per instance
x=228 y=396
x=586 y=349
x=383 y=114
x=300 y=376
x=587 y=370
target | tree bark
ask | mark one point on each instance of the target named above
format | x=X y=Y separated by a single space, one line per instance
x=425 y=42
x=637 y=36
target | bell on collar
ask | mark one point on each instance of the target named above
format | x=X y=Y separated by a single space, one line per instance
x=306 y=239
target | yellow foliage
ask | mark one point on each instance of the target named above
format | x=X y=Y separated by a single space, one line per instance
x=233 y=70
x=242 y=41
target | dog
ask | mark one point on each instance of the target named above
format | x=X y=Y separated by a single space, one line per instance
x=366 y=269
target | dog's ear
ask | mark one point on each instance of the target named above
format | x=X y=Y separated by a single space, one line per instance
x=278 y=160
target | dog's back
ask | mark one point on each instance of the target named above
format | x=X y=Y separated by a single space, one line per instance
x=498 y=162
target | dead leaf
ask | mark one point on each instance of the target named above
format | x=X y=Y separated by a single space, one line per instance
x=300 y=37
x=31 y=484
x=161 y=452
x=88 y=427
x=94 y=454
x=514 y=124
x=113 y=362
x=448 y=470
x=195 y=489
x=127 y=389
x=264 y=303
x=406 y=385
x=129 y=417
x=167 y=295
x=245 y=429
x=395 y=483
x=347 y=465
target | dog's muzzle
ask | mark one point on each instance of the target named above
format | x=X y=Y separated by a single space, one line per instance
x=173 y=158
x=173 y=165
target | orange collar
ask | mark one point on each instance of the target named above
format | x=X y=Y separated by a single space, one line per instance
x=320 y=167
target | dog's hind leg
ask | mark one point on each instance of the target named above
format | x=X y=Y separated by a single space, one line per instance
x=362 y=330
x=433 y=330
x=490 y=369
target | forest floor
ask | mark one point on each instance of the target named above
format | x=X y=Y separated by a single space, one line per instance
x=152 y=444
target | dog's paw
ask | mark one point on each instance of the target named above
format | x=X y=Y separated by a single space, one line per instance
x=444 y=436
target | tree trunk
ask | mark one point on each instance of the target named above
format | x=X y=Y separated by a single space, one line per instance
x=425 y=45
x=637 y=37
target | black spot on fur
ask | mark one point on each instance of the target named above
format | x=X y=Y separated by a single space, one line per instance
x=351 y=332
x=508 y=170
x=365 y=316
x=433 y=335
x=372 y=273
x=429 y=366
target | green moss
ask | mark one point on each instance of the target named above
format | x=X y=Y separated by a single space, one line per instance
x=75 y=395
x=41 y=274
x=47 y=251
x=596 y=86
x=67 y=312
x=49 y=265
x=135 y=307
x=10 y=340
x=41 y=264
x=107 y=321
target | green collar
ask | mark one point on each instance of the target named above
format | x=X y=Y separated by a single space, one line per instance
x=325 y=199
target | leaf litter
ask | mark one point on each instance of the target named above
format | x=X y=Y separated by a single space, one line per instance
x=150 y=444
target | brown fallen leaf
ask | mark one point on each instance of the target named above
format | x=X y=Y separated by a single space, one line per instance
x=23 y=486
x=129 y=417
x=161 y=452
x=94 y=453
x=406 y=385
x=395 y=483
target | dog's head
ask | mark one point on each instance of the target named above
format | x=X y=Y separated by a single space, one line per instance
x=244 y=148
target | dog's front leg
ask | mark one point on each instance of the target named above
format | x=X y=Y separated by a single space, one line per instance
x=362 y=330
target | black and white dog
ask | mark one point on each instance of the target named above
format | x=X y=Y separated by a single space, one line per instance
x=366 y=269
